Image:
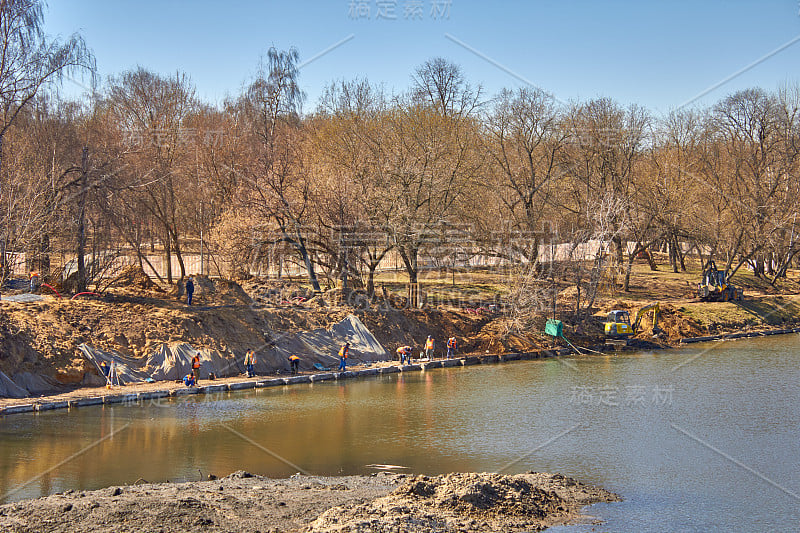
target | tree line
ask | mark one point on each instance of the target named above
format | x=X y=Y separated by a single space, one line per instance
x=438 y=172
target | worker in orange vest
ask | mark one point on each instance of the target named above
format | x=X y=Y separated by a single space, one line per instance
x=452 y=346
x=294 y=361
x=404 y=353
x=196 y=368
x=249 y=361
x=430 y=344
x=34 y=280
x=344 y=352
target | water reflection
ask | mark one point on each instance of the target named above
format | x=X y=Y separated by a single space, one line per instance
x=741 y=398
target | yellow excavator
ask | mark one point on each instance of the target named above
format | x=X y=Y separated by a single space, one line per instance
x=618 y=325
x=715 y=286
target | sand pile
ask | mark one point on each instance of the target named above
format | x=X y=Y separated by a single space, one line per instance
x=242 y=502
x=466 y=502
x=133 y=278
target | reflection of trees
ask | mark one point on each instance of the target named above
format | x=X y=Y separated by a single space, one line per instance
x=324 y=429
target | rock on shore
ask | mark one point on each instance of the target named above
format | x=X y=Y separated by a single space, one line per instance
x=384 y=502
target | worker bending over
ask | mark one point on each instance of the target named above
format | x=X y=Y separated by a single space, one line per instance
x=294 y=362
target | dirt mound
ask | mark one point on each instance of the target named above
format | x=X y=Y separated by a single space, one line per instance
x=220 y=291
x=676 y=325
x=411 y=327
x=212 y=292
x=242 y=502
x=466 y=502
x=134 y=278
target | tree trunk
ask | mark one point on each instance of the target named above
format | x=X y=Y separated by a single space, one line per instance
x=651 y=261
x=300 y=245
x=673 y=257
x=178 y=255
x=617 y=240
x=371 y=279
x=81 y=286
x=410 y=260
x=168 y=256
x=626 y=283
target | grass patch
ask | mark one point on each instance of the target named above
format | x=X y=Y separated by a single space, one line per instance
x=768 y=310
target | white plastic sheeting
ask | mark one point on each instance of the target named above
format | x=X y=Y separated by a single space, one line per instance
x=127 y=369
x=9 y=389
x=23 y=298
x=36 y=383
x=171 y=362
x=322 y=345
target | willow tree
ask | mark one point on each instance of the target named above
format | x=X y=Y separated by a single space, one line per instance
x=276 y=186
x=29 y=63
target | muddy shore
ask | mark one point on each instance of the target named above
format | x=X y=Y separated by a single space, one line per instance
x=383 y=502
x=137 y=392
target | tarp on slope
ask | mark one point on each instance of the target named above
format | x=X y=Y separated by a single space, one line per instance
x=128 y=369
x=322 y=345
x=9 y=389
x=173 y=361
x=36 y=383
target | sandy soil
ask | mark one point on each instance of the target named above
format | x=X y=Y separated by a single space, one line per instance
x=379 y=503
x=135 y=317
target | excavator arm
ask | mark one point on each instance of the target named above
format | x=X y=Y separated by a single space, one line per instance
x=643 y=311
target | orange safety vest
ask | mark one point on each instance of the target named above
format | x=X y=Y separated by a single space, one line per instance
x=195 y=362
x=344 y=351
x=249 y=358
x=451 y=342
x=294 y=358
x=429 y=344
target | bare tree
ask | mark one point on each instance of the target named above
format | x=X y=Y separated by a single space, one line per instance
x=606 y=146
x=440 y=84
x=29 y=62
x=350 y=128
x=278 y=187
x=525 y=141
x=152 y=111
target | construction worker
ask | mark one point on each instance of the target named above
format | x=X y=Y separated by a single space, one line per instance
x=344 y=353
x=196 y=368
x=34 y=280
x=188 y=380
x=404 y=353
x=452 y=346
x=189 y=290
x=294 y=361
x=430 y=345
x=249 y=361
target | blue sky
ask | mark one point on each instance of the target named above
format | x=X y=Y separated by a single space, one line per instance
x=659 y=54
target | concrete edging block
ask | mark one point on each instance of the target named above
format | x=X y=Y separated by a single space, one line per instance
x=49 y=406
x=243 y=385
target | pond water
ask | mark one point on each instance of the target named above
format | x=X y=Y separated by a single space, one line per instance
x=705 y=438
